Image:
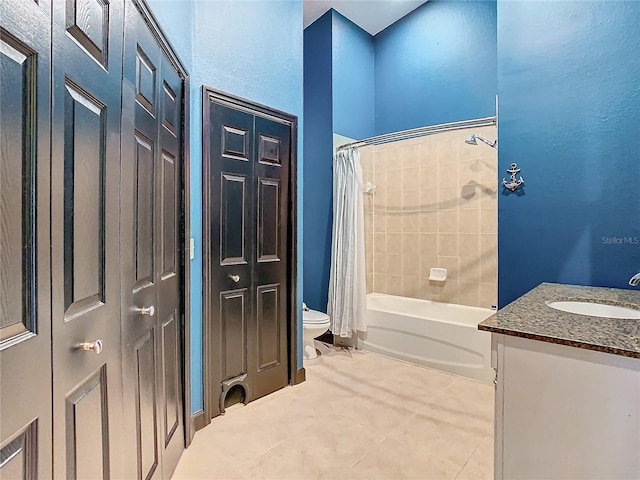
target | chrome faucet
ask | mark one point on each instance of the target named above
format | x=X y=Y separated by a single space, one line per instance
x=635 y=280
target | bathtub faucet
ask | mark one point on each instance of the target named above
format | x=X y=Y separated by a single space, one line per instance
x=635 y=280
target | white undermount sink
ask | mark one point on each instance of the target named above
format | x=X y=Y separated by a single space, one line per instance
x=594 y=309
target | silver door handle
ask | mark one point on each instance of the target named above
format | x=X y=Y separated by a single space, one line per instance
x=150 y=311
x=95 y=347
x=235 y=278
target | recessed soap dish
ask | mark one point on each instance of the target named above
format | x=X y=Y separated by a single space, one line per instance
x=438 y=274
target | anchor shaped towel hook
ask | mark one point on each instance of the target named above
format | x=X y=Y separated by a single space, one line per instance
x=513 y=184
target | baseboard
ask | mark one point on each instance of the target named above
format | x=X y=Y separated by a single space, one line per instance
x=198 y=420
x=300 y=376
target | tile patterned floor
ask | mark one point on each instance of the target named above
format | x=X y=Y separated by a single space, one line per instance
x=358 y=416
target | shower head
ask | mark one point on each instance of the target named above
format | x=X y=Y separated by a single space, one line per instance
x=473 y=140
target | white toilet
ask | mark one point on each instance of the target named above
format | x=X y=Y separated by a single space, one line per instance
x=314 y=324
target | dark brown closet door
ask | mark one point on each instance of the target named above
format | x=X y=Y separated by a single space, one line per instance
x=232 y=249
x=249 y=162
x=268 y=337
x=25 y=321
x=85 y=205
x=150 y=253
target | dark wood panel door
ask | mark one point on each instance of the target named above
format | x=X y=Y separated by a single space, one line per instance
x=152 y=108
x=25 y=314
x=268 y=339
x=85 y=268
x=232 y=250
x=248 y=255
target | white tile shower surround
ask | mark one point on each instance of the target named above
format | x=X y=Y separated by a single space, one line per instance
x=358 y=416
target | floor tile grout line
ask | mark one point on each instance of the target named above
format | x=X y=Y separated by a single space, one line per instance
x=359 y=460
x=253 y=459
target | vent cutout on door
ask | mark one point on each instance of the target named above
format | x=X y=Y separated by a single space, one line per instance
x=234 y=391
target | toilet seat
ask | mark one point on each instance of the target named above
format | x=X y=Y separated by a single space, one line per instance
x=314 y=317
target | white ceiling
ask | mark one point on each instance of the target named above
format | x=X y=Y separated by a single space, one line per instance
x=370 y=15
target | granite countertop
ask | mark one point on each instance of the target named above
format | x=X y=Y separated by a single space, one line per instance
x=530 y=317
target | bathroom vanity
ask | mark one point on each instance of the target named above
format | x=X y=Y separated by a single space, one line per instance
x=567 y=384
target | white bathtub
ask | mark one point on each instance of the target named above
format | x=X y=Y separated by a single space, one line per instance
x=437 y=335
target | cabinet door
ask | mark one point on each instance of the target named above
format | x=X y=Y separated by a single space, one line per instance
x=568 y=412
x=497 y=356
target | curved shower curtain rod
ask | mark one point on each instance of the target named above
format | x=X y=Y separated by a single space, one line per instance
x=419 y=132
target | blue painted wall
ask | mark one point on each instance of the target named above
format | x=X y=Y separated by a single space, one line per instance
x=318 y=152
x=352 y=79
x=254 y=50
x=569 y=115
x=436 y=65
x=176 y=17
x=339 y=98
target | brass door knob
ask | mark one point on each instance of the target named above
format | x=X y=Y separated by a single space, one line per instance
x=95 y=347
x=235 y=278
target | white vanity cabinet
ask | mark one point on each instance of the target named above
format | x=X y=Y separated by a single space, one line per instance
x=564 y=412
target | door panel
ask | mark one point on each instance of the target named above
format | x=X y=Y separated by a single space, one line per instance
x=18 y=69
x=19 y=456
x=143 y=206
x=87 y=21
x=170 y=118
x=85 y=199
x=233 y=205
x=268 y=220
x=236 y=140
x=146 y=406
x=269 y=324
x=25 y=315
x=87 y=424
x=145 y=81
x=84 y=190
x=169 y=195
x=233 y=319
x=152 y=106
x=171 y=376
